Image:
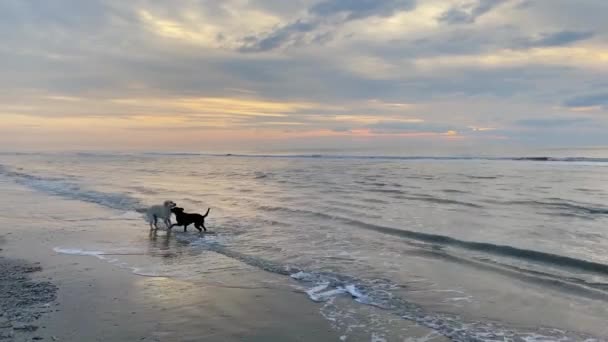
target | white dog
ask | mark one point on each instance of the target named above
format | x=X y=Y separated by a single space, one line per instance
x=163 y=212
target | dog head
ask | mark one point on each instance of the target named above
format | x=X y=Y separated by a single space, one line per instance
x=169 y=204
x=177 y=210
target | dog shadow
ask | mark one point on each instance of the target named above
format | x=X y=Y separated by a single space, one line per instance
x=160 y=243
x=167 y=246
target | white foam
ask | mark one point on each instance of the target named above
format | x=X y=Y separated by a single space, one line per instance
x=76 y=251
x=425 y=338
x=140 y=272
x=359 y=297
x=313 y=293
x=377 y=338
x=318 y=295
x=129 y=215
x=460 y=299
x=112 y=260
x=301 y=276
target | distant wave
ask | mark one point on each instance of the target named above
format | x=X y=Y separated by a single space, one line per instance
x=486 y=247
x=384 y=157
x=560 y=204
x=490 y=248
x=438 y=200
x=323 y=156
x=400 y=194
x=67 y=189
x=566 y=207
x=564 y=159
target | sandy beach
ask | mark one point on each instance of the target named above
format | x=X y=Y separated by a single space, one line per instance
x=92 y=298
x=98 y=301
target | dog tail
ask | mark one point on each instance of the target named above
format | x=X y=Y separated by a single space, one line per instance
x=207 y=213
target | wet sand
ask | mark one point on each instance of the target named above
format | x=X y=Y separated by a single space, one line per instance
x=22 y=300
x=96 y=300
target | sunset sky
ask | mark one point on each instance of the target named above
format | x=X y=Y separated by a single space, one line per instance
x=235 y=74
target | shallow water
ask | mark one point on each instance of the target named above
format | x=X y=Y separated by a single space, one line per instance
x=476 y=249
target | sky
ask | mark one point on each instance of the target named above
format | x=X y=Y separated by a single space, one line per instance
x=207 y=75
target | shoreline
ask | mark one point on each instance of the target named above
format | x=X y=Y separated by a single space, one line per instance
x=118 y=282
x=96 y=301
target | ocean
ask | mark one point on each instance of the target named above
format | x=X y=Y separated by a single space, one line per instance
x=474 y=248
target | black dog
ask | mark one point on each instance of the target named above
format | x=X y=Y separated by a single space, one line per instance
x=185 y=219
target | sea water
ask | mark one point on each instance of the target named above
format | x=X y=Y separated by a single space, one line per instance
x=489 y=249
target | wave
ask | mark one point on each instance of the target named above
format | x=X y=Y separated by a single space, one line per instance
x=325 y=286
x=438 y=200
x=560 y=204
x=483 y=177
x=322 y=286
x=383 y=157
x=455 y=191
x=323 y=156
x=388 y=191
x=485 y=247
x=63 y=187
x=405 y=195
x=111 y=258
x=563 y=159
x=490 y=248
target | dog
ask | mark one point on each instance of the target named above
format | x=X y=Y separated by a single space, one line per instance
x=186 y=219
x=163 y=212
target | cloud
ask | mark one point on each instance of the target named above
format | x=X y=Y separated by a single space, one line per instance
x=82 y=15
x=559 y=38
x=359 y=9
x=389 y=127
x=290 y=33
x=322 y=18
x=324 y=60
x=468 y=13
x=552 y=122
x=586 y=101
